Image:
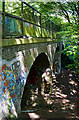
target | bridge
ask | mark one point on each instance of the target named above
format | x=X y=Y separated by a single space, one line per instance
x=30 y=45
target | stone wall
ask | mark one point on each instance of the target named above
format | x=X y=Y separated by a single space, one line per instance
x=17 y=61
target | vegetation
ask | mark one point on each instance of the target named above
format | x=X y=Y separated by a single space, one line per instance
x=66 y=15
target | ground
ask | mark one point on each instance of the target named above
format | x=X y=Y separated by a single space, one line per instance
x=63 y=103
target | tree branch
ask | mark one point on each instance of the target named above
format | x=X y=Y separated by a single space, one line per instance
x=65 y=13
x=60 y=22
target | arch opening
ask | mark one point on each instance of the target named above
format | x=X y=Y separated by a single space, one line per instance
x=34 y=80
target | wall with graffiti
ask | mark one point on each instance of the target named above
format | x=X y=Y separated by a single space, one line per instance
x=13 y=76
x=16 y=64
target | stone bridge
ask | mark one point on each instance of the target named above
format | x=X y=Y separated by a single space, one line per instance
x=25 y=46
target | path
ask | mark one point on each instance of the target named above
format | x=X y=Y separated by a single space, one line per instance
x=63 y=103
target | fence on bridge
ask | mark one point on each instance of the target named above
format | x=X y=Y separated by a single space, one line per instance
x=28 y=23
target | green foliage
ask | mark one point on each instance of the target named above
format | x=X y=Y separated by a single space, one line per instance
x=0 y=5
x=13 y=8
x=72 y=51
x=66 y=15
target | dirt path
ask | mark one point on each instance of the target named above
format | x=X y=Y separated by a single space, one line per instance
x=63 y=103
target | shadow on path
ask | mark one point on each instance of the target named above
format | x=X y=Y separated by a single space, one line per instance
x=63 y=103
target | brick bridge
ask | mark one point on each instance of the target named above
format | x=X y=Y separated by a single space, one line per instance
x=29 y=42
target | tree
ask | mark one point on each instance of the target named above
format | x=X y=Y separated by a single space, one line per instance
x=66 y=15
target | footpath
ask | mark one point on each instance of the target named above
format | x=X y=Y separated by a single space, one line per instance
x=62 y=104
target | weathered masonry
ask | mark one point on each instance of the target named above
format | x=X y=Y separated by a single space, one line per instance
x=28 y=41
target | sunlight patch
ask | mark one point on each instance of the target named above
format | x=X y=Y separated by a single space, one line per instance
x=33 y=115
x=50 y=111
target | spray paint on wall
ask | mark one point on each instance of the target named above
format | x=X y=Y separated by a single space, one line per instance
x=13 y=78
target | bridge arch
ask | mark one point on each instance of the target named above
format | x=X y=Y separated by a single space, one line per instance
x=39 y=66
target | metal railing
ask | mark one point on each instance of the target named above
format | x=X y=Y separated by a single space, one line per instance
x=28 y=24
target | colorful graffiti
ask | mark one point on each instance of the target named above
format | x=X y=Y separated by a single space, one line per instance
x=13 y=79
x=8 y=78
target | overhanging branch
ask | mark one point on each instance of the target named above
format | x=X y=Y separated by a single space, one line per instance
x=65 y=12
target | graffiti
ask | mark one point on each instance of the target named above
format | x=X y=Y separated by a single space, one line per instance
x=13 y=79
x=8 y=79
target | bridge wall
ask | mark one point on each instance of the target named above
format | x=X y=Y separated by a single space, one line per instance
x=16 y=64
x=22 y=42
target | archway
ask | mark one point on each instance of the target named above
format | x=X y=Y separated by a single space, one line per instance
x=34 y=79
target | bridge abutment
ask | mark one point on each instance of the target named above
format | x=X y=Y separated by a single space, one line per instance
x=17 y=61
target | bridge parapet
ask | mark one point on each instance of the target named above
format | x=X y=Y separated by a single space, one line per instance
x=27 y=23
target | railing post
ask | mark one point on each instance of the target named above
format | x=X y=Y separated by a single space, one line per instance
x=22 y=18
x=49 y=28
x=40 y=24
x=33 y=16
x=33 y=22
x=52 y=31
x=3 y=19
